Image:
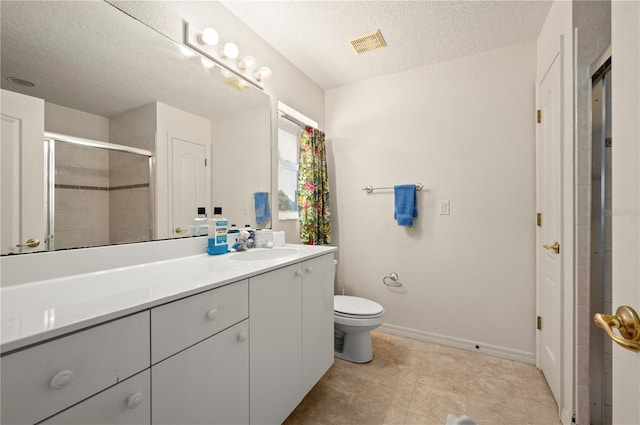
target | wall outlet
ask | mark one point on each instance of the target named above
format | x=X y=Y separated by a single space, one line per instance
x=445 y=207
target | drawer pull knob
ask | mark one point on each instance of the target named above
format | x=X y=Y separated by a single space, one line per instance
x=211 y=314
x=308 y=270
x=298 y=273
x=242 y=336
x=62 y=379
x=135 y=400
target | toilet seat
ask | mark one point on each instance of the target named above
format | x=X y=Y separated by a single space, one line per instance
x=355 y=307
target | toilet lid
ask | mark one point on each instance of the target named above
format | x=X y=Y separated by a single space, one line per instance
x=356 y=306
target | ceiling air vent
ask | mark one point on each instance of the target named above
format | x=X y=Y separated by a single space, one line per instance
x=366 y=42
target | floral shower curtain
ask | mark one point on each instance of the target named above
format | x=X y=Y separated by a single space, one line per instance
x=313 y=189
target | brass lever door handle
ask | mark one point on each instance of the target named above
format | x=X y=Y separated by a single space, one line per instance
x=628 y=324
x=180 y=230
x=555 y=247
x=30 y=243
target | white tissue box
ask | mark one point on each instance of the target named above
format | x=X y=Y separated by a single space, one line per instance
x=278 y=239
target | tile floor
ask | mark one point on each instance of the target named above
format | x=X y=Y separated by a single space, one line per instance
x=415 y=382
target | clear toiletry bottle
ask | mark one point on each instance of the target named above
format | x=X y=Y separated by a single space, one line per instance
x=218 y=226
x=200 y=223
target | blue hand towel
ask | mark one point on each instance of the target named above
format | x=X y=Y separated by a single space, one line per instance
x=261 y=204
x=405 y=204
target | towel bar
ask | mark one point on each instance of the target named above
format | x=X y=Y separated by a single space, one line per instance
x=370 y=188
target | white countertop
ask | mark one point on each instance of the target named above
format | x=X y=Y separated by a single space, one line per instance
x=36 y=311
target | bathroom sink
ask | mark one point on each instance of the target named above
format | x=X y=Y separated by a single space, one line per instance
x=257 y=254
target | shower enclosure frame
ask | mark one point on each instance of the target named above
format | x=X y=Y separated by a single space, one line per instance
x=50 y=138
x=600 y=73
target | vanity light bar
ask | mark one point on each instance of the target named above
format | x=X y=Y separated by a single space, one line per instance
x=222 y=56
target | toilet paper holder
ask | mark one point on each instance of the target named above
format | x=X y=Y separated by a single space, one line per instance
x=393 y=277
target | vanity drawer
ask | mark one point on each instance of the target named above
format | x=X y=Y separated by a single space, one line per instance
x=180 y=324
x=127 y=403
x=42 y=380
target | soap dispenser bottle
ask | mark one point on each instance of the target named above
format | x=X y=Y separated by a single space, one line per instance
x=218 y=226
x=233 y=237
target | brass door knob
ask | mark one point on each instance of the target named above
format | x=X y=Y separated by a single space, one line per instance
x=180 y=230
x=555 y=247
x=30 y=243
x=628 y=324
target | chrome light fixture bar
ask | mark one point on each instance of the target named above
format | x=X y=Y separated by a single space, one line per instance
x=227 y=55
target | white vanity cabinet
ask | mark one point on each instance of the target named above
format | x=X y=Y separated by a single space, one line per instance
x=230 y=342
x=291 y=312
x=42 y=380
x=317 y=319
x=275 y=308
x=201 y=346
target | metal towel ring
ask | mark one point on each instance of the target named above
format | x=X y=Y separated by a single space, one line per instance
x=394 y=280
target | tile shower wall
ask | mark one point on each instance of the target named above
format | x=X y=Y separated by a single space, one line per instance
x=593 y=22
x=129 y=198
x=81 y=196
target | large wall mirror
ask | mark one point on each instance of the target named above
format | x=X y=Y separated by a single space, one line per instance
x=112 y=134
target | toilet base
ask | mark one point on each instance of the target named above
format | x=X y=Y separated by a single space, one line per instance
x=355 y=344
x=351 y=359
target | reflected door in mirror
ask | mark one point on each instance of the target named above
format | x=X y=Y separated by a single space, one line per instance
x=189 y=183
x=23 y=182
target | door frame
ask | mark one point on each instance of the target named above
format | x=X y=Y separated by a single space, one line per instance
x=625 y=51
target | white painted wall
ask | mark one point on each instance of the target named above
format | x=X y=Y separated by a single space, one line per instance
x=465 y=129
x=175 y=123
x=135 y=127
x=240 y=145
x=72 y=122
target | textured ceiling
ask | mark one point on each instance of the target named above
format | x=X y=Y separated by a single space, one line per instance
x=313 y=35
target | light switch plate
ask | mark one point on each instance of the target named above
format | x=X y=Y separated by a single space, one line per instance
x=445 y=207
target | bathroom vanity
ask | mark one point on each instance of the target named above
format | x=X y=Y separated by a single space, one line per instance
x=192 y=340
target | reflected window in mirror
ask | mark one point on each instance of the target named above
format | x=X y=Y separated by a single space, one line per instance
x=288 y=152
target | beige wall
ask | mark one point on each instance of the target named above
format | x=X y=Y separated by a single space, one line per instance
x=464 y=129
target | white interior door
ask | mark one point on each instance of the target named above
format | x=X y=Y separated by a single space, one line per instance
x=189 y=176
x=549 y=132
x=22 y=155
x=625 y=51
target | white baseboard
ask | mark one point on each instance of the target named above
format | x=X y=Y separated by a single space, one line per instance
x=465 y=344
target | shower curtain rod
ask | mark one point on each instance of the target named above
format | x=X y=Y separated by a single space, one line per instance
x=95 y=143
x=293 y=120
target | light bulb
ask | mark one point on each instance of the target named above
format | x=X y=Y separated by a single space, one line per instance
x=247 y=63
x=229 y=50
x=207 y=63
x=209 y=37
x=263 y=73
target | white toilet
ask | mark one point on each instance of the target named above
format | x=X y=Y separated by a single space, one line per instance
x=354 y=318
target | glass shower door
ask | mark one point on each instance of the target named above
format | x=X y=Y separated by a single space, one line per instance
x=98 y=194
